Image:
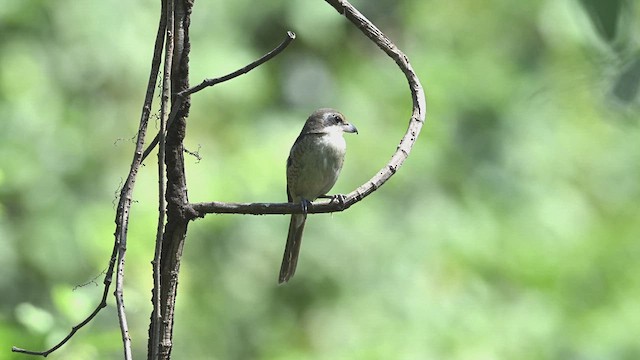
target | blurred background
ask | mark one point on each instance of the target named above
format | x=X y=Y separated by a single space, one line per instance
x=511 y=232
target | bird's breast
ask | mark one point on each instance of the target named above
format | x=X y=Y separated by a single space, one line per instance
x=316 y=162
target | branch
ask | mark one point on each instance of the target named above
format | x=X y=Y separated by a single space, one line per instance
x=266 y=57
x=343 y=202
x=103 y=304
x=122 y=213
x=156 y=314
x=402 y=152
x=211 y=82
x=175 y=228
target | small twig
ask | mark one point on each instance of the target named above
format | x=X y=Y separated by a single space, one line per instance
x=210 y=82
x=92 y=281
x=195 y=154
x=115 y=194
x=404 y=148
x=122 y=213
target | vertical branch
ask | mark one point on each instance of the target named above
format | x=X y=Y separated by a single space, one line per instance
x=124 y=204
x=122 y=317
x=156 y=315
x=176 y=192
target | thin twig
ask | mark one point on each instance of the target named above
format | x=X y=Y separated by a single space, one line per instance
x=92 y=281
x=122 y=213
x=211 y=82
x=101 y=305
x=195 y=154
x=156 y=315
x=402 y=152
x=266 y=57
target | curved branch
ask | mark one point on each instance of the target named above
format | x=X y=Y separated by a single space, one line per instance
x=402 y=152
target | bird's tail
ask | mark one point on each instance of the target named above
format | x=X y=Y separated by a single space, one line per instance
x=292 y=249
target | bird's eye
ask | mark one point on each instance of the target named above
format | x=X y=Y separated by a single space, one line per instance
x=336 y=119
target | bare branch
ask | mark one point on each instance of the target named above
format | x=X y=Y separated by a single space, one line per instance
x=402 y=152
x=156 y=314
x=175 y=229
x=103 y=304
x=266 y=57
x=210 y=82
x=122 y=213
x=196 y=210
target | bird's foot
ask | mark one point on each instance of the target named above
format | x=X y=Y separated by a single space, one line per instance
x=304 y=204
x=338 y=198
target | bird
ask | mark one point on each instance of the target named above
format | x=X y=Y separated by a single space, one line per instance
x=313 y=166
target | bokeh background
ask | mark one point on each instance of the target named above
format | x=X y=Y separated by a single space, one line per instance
x=511 y=232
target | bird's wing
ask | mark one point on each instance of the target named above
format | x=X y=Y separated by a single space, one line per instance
x=289 y=197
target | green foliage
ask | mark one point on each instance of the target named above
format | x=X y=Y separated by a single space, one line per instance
x=510 y=233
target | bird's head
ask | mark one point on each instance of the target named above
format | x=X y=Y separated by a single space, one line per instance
x=327 y=121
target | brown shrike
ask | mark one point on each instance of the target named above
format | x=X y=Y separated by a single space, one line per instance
x=313 y=166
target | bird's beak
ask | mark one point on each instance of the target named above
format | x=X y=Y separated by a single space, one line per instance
x=349 y=128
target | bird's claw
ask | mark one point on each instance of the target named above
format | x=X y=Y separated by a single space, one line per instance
x=304 y=204
x=338 y=198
